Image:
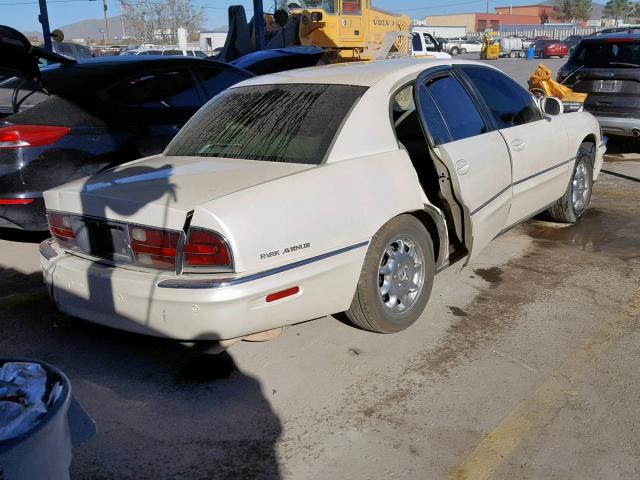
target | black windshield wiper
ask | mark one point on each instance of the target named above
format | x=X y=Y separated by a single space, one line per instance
x=624 y=64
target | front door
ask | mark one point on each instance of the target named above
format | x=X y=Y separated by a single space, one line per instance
x=351 y=21
x=538 y=144
x=474 y=159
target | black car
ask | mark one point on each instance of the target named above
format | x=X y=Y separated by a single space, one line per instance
x=70 y=120
x=572 y=41
x=607 y=67
x=274 y=60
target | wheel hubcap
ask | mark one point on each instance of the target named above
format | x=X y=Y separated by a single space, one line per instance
x=580 y=188
x=400 y=274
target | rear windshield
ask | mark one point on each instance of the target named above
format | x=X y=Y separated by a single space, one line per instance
x=293 y=123
x=607 y=53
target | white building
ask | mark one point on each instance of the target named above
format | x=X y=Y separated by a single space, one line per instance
x=212 y=39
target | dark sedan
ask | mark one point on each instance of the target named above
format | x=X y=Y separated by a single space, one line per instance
x=84 y=117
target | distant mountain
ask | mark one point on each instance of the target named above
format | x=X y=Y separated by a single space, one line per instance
x=90 y=29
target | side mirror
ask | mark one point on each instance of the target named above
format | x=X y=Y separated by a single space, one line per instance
x=551 y=106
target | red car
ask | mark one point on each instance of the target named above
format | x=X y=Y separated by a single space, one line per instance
x=551 y=48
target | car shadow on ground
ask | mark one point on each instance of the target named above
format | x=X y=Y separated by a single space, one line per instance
x=22 y=236
x=162 y=410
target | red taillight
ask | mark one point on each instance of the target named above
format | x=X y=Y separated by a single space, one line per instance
x=61 y=228
x=205 y=249
x=16 y=201
x=16 y=136
x=154 y=248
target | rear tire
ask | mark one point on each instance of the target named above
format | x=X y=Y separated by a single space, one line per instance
x=463 y=51
x=521 y=54
x=575 y=201
x=396 y=278
x=513 y=54
x=454 y=51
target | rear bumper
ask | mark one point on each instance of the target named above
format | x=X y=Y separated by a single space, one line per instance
x=132 y=300
x=31 y=216
x=623 y=127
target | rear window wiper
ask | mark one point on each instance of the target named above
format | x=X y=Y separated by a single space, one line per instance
x=624 y=64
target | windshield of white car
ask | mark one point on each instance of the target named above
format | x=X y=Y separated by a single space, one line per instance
x=291 y=123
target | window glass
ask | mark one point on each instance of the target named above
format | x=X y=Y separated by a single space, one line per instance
x=200 y=54
x=293 y=123
x=172 y=52
x=329 y=6
x=417 y=44
x=434 y=122
x=158 y=90
x=216 y=80
x=428 y=41
x=189 y=53
x=510 y=104
x=351 y=7
x=459 y=112
x=604 y=54
x=154 y=52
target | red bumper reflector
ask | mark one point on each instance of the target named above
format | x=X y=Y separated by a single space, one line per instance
x=283 y=294
x=16 y=201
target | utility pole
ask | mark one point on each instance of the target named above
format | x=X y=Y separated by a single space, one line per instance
x=487 y=6
x=106 y=22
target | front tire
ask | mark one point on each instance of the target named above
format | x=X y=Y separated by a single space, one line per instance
x=454 y=51
x=396 y=278
x=575 y=201
x=463 y=51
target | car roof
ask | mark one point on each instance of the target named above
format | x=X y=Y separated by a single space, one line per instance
x=364 y=74
x=613 y=35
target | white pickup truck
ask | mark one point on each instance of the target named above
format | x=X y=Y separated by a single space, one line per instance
x=424 y=45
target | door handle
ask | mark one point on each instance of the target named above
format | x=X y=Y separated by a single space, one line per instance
x=518 y=145
x=462 y=166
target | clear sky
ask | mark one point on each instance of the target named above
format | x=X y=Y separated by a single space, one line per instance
x=23 y=14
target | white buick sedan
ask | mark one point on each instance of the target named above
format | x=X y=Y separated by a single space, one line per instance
x=289 y=197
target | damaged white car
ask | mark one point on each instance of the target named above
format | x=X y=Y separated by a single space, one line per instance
x=302 y=194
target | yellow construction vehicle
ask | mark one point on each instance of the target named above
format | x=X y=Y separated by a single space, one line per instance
x=490 y=46
x=350 y=29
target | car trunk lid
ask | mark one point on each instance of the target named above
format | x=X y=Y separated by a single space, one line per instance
x=160 y=191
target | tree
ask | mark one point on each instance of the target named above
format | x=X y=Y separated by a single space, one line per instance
x=152 y=20
x=618 y=9
x=572 y=10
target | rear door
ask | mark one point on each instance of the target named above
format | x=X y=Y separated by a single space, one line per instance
x=468 y=153
x=538 y=145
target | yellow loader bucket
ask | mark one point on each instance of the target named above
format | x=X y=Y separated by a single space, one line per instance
x=542 y=81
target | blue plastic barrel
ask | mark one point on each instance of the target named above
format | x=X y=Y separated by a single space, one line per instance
x=531 y=53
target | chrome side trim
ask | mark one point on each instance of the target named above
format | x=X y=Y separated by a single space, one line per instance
x=46 y=250
x=522 y=180
x=197 y=283
x=543 y=171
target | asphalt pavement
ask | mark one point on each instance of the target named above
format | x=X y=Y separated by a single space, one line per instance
x=525 y=364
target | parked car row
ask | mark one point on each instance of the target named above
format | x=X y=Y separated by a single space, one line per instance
x=108 y=111
x=182 y=243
